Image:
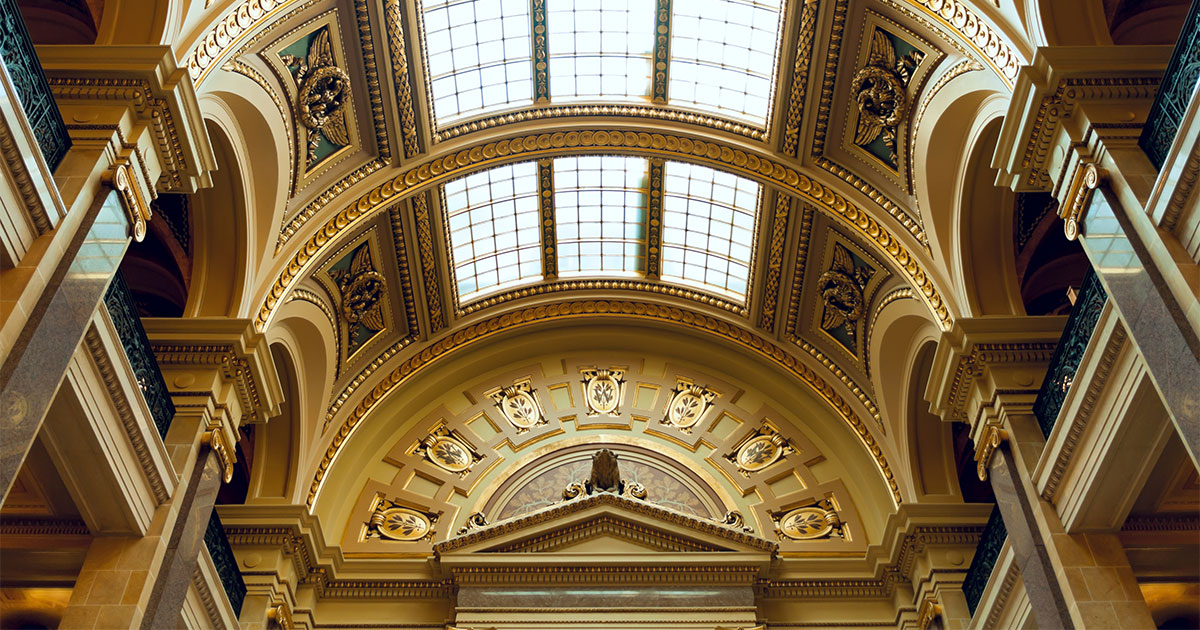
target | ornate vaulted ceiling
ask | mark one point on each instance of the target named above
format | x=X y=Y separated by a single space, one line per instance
x=746 y=170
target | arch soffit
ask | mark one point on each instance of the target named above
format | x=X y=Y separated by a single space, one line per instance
x=807 y=409
x=454 y=162
x=541 y=317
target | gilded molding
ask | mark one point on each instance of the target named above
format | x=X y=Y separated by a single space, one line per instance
x=775 y=251
x=800 y=72
x=545 y=171
x=371 y=70
x=605 y=526
x=802 y=242
x=654 y=213
x=363 y=375
x=298 y=220
x=609 y=111
x=1080 y=419
x=596 y=575
x=437 y=170
x=394 y=23
x=845 y=379
x=429 y=270
x=662 y=52
x=1061 y=104
x=636 y=507
x=509 y=321
x=993 y=437
x=228 y=32
x=984 y=40
x=562 y=286
x=403 y=273
x=108 y=374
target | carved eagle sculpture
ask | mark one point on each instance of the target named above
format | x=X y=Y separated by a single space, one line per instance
x=362 y=291
x=605 y=477
x=324 y=88
x=879 y=90
x=842 y=291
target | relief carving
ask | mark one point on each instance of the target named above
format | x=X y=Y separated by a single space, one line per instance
x=519 y=405
x=321 y=99
x=880 y=91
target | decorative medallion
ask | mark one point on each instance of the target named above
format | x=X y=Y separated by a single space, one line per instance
x=602 y=389
x=687 y=406
x=880 y=91
x=393 y=521
x=447 y=451
x=811 y=522
x=362 y=291
x=761 y=449
x=519 y=405
x=842 y=287
x=322 y=94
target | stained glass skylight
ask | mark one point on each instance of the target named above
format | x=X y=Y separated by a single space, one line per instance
x=479 y=55
x=600 y=214
x=493 y=223
x=708 y=228
x=723 y=56
x=600 y=48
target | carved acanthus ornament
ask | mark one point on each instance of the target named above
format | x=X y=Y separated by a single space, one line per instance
x=811 y=522
x=930 y=610
x=880 y=90
x=519 y=405
x=323 y=90
x=281 y=615
x=605 y=477
x=735 y=520
x=475 y=521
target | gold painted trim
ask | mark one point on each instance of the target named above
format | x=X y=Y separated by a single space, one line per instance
x=993 y=436
x=437 y=170
x=569 y=310
x=1084 y=182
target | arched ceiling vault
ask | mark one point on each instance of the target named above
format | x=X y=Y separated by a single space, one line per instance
x=364 y=235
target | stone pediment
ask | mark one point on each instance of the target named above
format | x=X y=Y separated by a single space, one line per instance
x=603 y=528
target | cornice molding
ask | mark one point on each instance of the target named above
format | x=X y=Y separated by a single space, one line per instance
x=436 y=170
x=468 y=335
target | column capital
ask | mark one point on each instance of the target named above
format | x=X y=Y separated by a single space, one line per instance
x=1060 y=98
x=990 y=440
x=987 y=366
x=221 y=357
x=134 y=90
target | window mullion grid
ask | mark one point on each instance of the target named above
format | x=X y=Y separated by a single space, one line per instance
x=541 y=53
x=662 y=52
x=654 y=210
x=546 y=208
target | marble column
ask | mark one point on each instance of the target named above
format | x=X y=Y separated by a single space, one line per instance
x=1028 y=544
x=30 y=374
x=185 y=543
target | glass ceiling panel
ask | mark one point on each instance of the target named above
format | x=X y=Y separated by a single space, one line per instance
x=600 y=49
x=493 y=224
x=723 y=56
x=479 y=55
x=708 y=228
x=600 y=214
